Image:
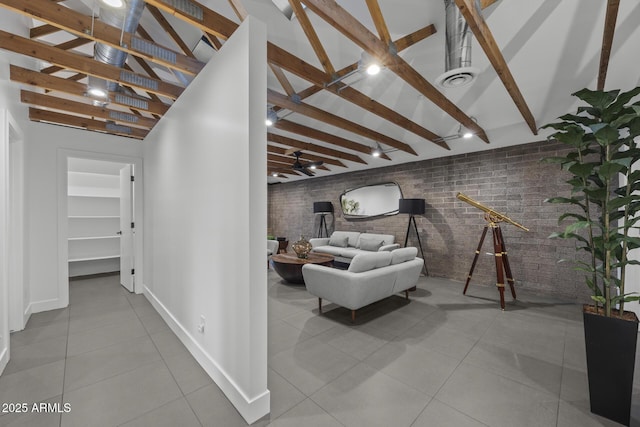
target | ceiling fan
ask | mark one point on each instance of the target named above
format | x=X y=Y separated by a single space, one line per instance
x=304 y=167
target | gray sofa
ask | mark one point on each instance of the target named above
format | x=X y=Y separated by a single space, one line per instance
x=344 y=245
x=371 y=277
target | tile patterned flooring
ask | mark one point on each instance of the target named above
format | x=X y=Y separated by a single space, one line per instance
x=441 y=359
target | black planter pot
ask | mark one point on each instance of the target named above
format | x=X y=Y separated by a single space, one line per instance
x=611 y=351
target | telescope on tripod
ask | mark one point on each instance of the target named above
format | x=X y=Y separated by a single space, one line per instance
x=493 y=218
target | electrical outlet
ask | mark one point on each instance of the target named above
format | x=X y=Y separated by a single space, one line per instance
x=201 y=325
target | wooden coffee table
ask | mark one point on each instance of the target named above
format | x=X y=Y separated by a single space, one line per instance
x=289 y=266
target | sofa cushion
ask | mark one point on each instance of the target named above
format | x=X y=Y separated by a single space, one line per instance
x=352 y=235
x=369 y=261
x=403 y=254
x=371 y=245
x=387 y=239
x=339 y=241
x=331 y=250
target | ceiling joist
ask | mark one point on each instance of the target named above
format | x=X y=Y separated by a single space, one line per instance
x=353 y=29
x=211 y=22
x=319 y=135
x=81 y=25
x=42 y=31
x=284 y=160
x=312 y=36
x=38 y=115
x=155 y=12
x=307 y=146
x=607 y=41
x=310 y=111
x=57 y=84
x=89 y=66
x=74 y=107
x=305 y=156
x=484 y=36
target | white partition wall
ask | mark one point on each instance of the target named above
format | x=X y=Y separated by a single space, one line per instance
x=205 y=219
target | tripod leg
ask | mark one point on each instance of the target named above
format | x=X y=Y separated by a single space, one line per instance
x=424 y=261
x=497 y=248
x=320 y=228
x=406 y=237
x=507 y=266
x=475 y=259
x=326 y=231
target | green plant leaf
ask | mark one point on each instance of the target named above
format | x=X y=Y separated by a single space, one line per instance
x=598 y=298
x=596 y=98
x=605 y=134
x=610 y=169
x=571 y=215
x=582 y=170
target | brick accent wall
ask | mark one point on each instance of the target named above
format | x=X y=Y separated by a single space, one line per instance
x=511 y=180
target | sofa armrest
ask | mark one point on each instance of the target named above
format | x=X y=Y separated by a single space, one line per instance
x=320 y=241
x=348 y=289
x=389 y=247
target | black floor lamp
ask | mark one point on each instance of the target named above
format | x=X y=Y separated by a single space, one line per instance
x=413 y=207
x=323 y=209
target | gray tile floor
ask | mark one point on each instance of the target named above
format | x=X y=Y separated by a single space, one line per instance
x=441 y=359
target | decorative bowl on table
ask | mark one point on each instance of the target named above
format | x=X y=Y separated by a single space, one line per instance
x=302 y=247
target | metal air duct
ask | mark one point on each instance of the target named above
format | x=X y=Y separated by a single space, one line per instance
x=458 y=69
x=127 y=20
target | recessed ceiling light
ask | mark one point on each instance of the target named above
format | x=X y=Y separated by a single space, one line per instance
x=275 y=174
x=95 y=91
x=268 y=122
x=467 y=135
x=312 y=167
x=114 y=3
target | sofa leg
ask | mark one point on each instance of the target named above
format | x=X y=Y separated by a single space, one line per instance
x=406 y=294
x=353 y=316
x=320 y=305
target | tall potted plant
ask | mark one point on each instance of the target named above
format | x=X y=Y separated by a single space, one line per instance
x=602 y=218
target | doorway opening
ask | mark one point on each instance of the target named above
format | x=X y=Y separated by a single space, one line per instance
x=100 y=212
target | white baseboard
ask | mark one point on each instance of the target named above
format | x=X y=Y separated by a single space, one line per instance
x=27 y=314
x=46 y=305
x=4 y=358
x=250 y=409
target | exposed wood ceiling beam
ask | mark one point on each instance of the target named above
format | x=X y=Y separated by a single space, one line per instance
x=38 y=115
x=154 y=75
x=74 y=107
x=44 y=81
x=170 y=30
x=326 y=137
x=284 y=81
x=42 y=31
x=215 y=42
x=306 y=156
x=51 y=69
x=607 y=40
x=378 y=21
x=211 y=22
x=319 y=135
x=337 y=121
x=339 y=18
x=81 y=64
x=484 y=36
x=290 y=142
x=312 y=36
x=72 y=44
x=273 y=159
x=239 y=9
x=401 y=44
x=76 y=77
x=83 y=26
x=307 y=71
x=486 y=3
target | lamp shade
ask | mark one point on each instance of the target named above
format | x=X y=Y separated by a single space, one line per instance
x=322 y=207
x=411 y=206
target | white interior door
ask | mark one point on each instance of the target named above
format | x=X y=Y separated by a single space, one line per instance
x=126 y=228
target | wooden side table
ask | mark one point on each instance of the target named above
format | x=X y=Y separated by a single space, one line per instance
x=282 y=246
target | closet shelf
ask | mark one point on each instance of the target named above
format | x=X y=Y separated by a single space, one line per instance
x=94 y=258
x=94 y=237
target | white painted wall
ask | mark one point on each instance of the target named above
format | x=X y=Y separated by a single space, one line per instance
x=9 y=107
x=205 y=221
x=46 y=151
